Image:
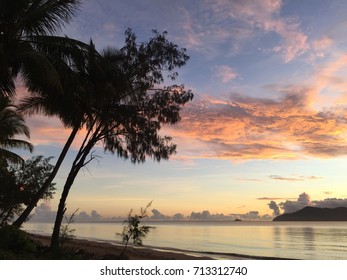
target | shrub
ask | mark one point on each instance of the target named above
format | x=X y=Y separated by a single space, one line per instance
x=133 y=231
x=15 y=244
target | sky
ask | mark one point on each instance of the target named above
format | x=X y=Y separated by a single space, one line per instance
x=266 y=130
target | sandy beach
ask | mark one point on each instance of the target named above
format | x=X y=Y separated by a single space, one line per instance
x=105 y=250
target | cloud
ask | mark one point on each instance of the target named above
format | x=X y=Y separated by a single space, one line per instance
x=272 y=198
x=225 y=73
x=265 y=16
x=294 y=179
x=329 y=78
x=251 y=216
x=320 y=47
x=205 y=215
x=50 y=131
x=292 y=206
x=43 y=213
x=281 y=178
x=95 y=215
x=330 y=203
x=244 y=127
x=304 y=200
x=294 y=41
x=276 y=177
x=178 y=216
x=110 y=27
x=237 y=23
x=209 y=27
x=273 y=206
x=328 y=192
x=156 y=215
x=249 y=179
x=83 y=216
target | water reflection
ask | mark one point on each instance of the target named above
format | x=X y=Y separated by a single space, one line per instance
x=277 y=237
x=300 y=238
x=309 y=240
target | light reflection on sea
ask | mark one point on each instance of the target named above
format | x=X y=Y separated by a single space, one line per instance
x=297 y=240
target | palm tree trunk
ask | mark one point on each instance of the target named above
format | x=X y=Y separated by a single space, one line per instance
x=22 y=218
x=61 y=211
x=76 y=166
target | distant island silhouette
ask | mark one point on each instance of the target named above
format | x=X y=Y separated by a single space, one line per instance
x=315 y=214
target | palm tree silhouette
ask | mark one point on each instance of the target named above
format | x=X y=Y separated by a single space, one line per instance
x=71 y=106
x=11 y=124
x=27 y=38
x=30 y=49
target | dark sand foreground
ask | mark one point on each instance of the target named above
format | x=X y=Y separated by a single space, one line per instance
x=104 y=250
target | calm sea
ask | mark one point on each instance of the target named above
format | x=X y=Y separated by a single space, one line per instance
x=297 y=240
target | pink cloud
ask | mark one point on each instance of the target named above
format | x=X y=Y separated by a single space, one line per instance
x=225 y=73
x=321 y=45
x=50 y=131
x=264 y=15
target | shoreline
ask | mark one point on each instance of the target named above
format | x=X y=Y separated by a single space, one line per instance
x=107 y=250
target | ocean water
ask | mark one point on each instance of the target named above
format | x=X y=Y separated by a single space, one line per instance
x=294 y=240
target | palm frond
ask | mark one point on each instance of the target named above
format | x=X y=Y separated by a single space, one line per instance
x=47 y=16
x=66 y=49
x=62 y=106
x=10 y=156
x=16 y=144
x=7 y=86
x=11 y=122
x=38 y=72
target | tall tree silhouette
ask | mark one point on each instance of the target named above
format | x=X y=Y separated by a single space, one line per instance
x=29 y=48
x=125 y=106
x=70 y=106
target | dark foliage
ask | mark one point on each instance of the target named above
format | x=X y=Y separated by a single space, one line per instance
x=19 y=183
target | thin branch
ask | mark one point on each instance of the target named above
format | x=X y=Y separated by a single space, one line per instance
x=92 y=157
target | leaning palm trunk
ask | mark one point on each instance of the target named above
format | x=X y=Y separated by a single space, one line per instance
x=62 y=203
x=78 y=163
x=23 y=217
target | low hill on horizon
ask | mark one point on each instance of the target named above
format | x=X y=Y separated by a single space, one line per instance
x=310 y=213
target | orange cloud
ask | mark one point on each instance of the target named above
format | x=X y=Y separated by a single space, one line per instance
x=254 y=128
x=50 y=131
x=328 y=85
